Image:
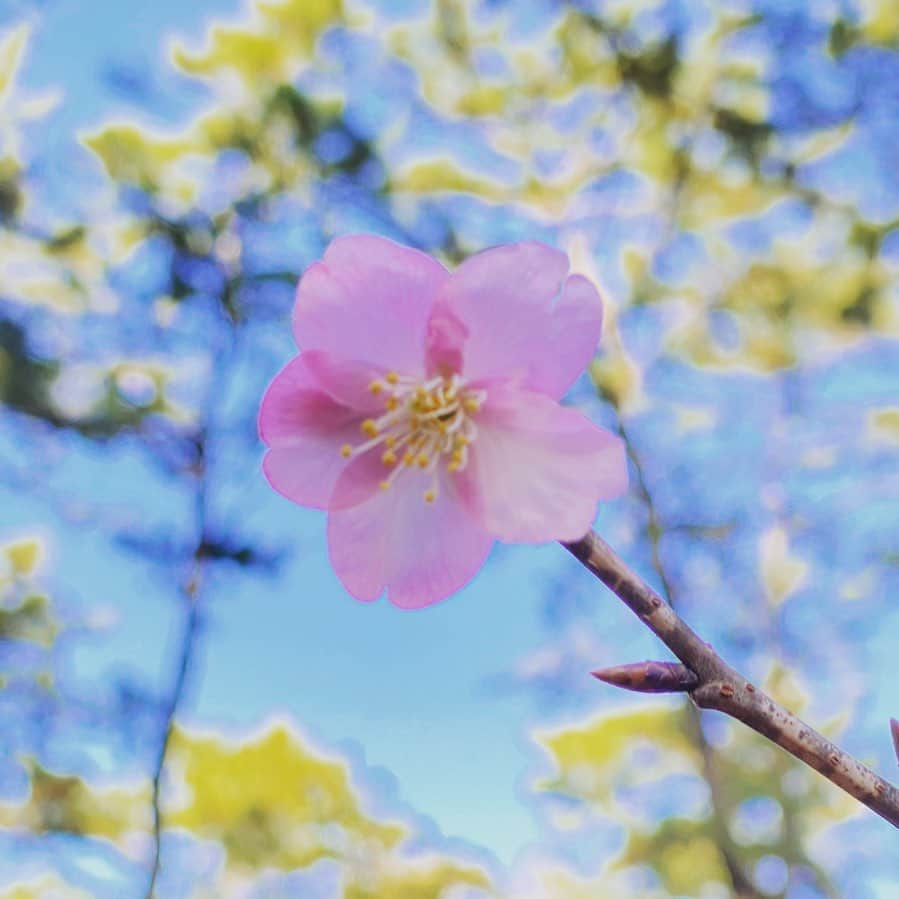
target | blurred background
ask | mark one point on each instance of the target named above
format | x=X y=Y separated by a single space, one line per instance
x=190 y=704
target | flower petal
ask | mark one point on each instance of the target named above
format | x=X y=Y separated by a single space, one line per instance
x=537 y=470
x=504 y=296
x=445 y=340
x=420 y=552
x=570 y=342
x=369 y=300
x=349 y=383
x=359 y=481
x=305 y=428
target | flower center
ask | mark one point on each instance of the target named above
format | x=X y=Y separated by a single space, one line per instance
x=424 y=424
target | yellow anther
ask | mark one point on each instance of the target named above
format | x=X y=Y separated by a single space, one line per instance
x=423 y=425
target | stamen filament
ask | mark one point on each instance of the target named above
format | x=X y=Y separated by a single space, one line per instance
x=424 y=425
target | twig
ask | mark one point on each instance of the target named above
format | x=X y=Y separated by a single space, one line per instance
x=188 y=642
x=722 y=688
x=190 y=592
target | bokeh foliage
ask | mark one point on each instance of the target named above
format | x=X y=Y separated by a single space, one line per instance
x=720 y=168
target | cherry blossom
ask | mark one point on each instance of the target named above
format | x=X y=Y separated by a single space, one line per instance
x=422 y=412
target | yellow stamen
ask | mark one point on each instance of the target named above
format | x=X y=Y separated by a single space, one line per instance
x=422 y=426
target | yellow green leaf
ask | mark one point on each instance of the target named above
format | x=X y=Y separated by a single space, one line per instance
x=12 y=50
x=782 y=572
x=133 y=155
x=441 y=175
x=23 y=555
x=271 y=801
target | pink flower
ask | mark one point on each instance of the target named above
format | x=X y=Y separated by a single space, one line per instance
x=422 y=412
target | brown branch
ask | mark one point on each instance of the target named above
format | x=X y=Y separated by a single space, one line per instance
x=724 y=689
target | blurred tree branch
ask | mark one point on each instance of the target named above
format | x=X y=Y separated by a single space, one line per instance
x=654 y=529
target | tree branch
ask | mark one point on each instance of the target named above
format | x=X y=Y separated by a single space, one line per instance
x=722 y=688
x=185 y=655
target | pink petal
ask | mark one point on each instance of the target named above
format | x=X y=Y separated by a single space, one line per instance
x=305 y=428
x=445 y=340
x=420 y=552
x=537 y=470
x=346 y=382
x=304 y=473
x=359 y=481
x=570 y=342
x=368 y=300
x=503 y=297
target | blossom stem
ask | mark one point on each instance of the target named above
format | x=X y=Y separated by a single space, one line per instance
x=722 y=688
